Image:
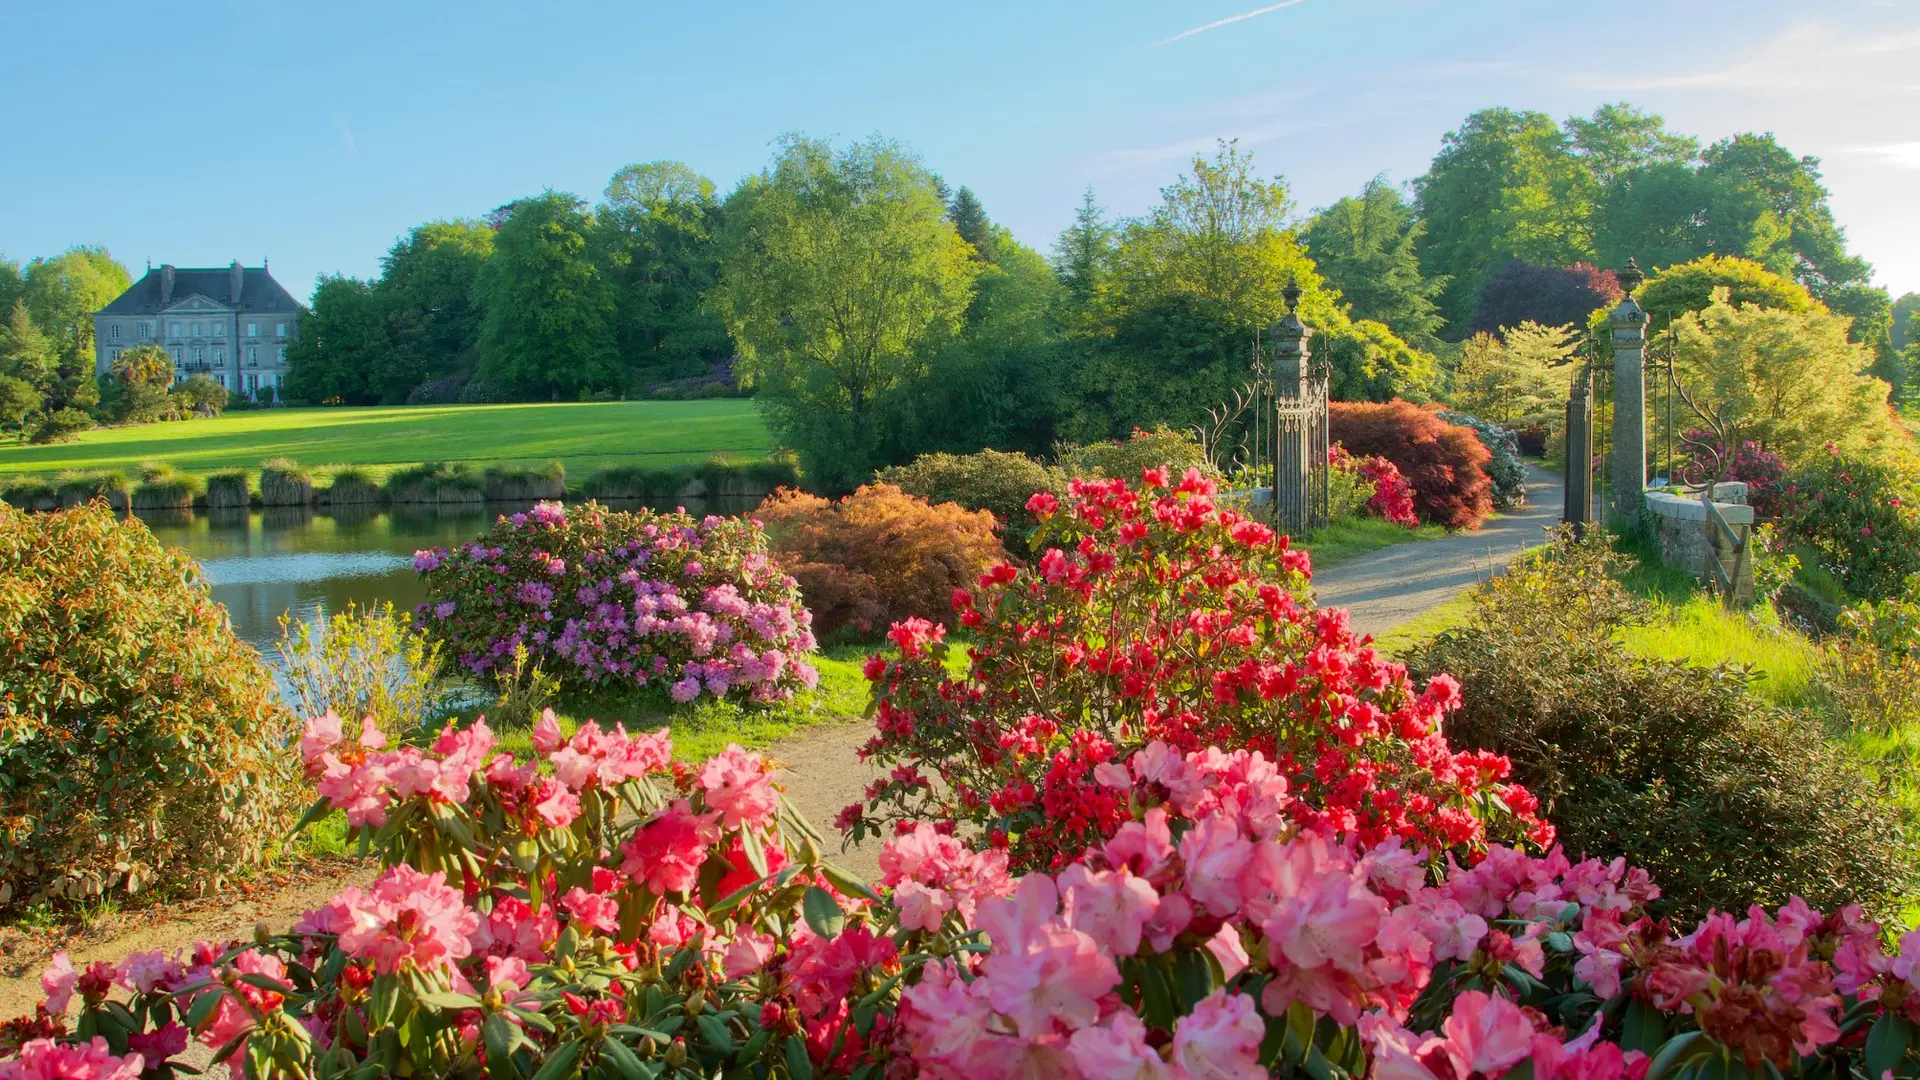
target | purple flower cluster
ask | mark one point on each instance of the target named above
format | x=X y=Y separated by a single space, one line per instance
x=602 y=596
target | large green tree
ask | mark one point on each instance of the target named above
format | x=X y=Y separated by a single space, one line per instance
x=548 y=327
x=655 y=233
x=839 y=270
x=342 y=346
x=1504 y=185
x=64 y=292
x=428 y=285
x=25 y=352
x=13 y=284
x=1083 y=260
x=971 y=222
x=1364 y=246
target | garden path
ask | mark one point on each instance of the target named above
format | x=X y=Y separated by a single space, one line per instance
x=1394 y=585
x=1381 y=590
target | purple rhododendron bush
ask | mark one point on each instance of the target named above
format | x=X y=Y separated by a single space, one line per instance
x=1231 y=911
x=607 y=597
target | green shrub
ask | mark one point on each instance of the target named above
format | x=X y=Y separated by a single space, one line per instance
x=61 y=425
x=1859 y=520
x=285 y=483
x=436 y=482
x=1726 y=800
x=1123 y=459
x=352 y=486
x=363 y=662
x=140 y=740
x=78 y=488
x=30 y=493
x=637 y=482
x=991 y=480
x=162 y=487
x=730 y=477
x=524 y=483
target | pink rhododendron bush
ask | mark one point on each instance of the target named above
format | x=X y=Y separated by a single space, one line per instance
x=608 y=597
x=1153 y=615
x=602 y=912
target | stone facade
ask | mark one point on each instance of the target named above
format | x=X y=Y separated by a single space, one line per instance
x=232 y=324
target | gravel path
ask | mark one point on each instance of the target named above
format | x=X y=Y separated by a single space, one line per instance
x=1394 y=585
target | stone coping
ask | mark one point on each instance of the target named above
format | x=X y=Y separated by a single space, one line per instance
x=1687 y=507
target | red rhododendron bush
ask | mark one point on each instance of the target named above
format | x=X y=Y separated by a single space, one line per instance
x=1212 y=903
x=1153 y=615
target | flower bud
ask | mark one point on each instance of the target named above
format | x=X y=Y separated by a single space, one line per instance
x=676 y=1053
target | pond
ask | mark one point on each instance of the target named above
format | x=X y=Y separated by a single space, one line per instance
x=262 y=564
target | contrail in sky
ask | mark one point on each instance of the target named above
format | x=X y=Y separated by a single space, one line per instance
x=1242 y=17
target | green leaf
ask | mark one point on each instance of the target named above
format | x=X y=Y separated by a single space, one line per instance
x=447 y=999
x=798 y=1063
x=499 y=1035
x=1642 y=1028
x=847 y=882
x=1193 y=976
x=1670 y=1055
x=203 y=1007
x=560 y=1063
x=1886 y=1045
x=314 y=813
x=823 y=912
x=623 y=1059
x=716 y=1032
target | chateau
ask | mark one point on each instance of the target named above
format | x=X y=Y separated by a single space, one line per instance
x=232 y=324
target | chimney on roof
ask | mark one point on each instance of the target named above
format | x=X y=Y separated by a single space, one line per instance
x=236 y=278
x=166 y=284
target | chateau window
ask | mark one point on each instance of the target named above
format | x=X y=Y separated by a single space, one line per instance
x=222 y=380
x=176 y=353
x=146 y=330
x=116 y=331
x=199 y=354
x=280 y=356
x=173 y=330
x=280 y=330
x=253 y=329
x=219 y=329
x=220 y=357
x=253 y=355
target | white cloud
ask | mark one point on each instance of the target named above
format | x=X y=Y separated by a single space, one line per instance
x=1809 y=57
x=1228 y=21
x=1904 y=155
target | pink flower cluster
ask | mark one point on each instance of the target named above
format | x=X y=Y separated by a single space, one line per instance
x=601 y=595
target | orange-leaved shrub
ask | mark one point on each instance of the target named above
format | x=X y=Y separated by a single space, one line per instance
x=1445 y=463
x=141 y=742
x=878 y=555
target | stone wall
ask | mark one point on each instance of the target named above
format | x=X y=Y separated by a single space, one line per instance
x=1680 y=526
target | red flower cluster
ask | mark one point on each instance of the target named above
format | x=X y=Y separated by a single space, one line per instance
x=1154 y=614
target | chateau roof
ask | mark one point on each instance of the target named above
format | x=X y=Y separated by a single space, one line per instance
x=258 y=291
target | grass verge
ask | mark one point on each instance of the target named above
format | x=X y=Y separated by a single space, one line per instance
x=1349 y=537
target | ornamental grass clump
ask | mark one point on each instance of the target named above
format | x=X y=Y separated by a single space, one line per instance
x=603 y=597
x=1684 y=770
x=878 y=556
x=1152 y=614
x=284 y=482
x=141 y=742
x=525 y=483
x=80 y=488
x=352 y=485
x=598 y=911
x=163 y=487
x=228 y=490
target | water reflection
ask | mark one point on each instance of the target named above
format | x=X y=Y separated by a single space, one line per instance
x=262 y=564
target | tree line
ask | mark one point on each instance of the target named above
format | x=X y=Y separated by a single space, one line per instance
x=876 y=313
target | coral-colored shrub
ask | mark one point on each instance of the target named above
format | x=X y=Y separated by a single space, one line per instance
x=1154 y=615
x=607 y=597
x=878 y=555
x=141 y=742
x=1388 y=495
x=1445 y=463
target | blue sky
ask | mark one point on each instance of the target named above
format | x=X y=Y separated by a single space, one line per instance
x=316 y=133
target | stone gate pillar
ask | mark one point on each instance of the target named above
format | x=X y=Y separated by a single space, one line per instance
x=1292 y=457
x=1628 y=323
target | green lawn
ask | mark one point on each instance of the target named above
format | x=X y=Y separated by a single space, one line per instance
x=583 y=436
